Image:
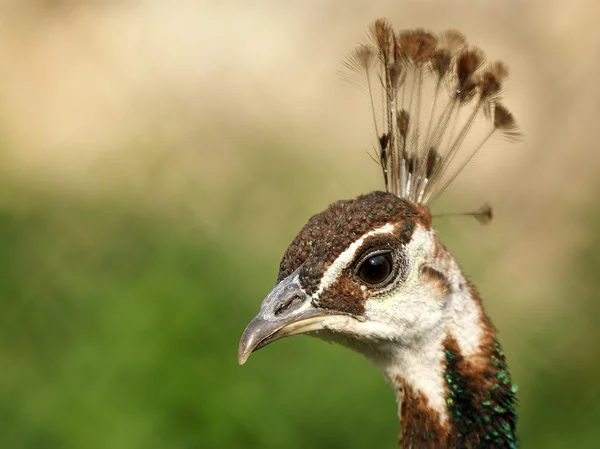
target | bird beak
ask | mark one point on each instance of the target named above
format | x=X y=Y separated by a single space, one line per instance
x=286 y=311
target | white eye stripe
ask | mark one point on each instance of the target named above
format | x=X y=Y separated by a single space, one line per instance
x=346 y=257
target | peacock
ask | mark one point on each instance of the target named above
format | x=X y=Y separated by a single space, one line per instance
x=371 y=274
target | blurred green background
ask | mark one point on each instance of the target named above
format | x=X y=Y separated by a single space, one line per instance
x=154 y=167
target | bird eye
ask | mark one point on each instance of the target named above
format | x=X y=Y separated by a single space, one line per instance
x=376 y=269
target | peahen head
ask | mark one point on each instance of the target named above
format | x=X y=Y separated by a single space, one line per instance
x=371 y=274
x=360 y=273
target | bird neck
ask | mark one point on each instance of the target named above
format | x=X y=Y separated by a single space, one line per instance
x=453 y=386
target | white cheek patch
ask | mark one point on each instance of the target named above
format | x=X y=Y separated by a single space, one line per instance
x=344 y=259
x=411 y=313
x=414 y=310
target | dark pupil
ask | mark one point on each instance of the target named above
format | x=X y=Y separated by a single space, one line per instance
x=376 y=269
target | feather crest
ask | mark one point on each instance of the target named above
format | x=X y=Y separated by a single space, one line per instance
x=426 y=92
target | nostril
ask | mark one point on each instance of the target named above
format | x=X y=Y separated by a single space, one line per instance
x=289 y=303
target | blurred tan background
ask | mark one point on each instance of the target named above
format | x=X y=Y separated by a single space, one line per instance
x=227 y=124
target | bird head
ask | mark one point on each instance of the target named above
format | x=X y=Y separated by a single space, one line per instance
x=370 y=273
x=356 y=274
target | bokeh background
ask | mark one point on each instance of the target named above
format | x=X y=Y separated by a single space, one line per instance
x=157 y=157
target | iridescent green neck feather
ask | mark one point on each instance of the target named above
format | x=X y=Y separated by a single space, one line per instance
x=481 y=402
